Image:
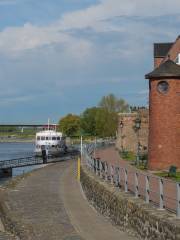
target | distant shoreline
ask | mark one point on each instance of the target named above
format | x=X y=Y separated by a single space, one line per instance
x=17 y=140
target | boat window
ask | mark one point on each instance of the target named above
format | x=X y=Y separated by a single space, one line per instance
x=53 y=138
x=42 y=138
x=38 y=138
x=47 y=138
x=58 y=138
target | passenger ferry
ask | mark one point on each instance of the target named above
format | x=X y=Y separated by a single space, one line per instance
x=54 y=142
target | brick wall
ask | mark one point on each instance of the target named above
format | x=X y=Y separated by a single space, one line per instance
x=164 y=144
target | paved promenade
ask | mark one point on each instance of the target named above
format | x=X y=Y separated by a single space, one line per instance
x=111 y=156
x=49 y=205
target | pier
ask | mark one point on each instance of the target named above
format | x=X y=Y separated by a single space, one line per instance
x=6 y=166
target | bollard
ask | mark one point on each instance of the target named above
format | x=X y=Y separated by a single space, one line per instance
x=147 y=189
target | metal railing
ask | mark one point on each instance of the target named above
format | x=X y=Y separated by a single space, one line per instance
x=161 y=192
x=33 y=160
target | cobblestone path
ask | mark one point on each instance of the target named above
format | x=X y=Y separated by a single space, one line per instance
x=36 y=207
x=49 y=205
x=7 y=236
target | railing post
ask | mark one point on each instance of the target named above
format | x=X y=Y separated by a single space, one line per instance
x=100 y=169
x=136 y=185
x=125 y=180
x=117 y=176
x=178 y=199
x=161 y=202
x=106 y=171
x=147 y=189
x=96 y=161
x=112 y=174
x=92 y=163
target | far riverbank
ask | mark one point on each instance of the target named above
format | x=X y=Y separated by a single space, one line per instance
x=17 y=140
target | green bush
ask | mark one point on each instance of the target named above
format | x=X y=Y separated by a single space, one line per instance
x=128 y=155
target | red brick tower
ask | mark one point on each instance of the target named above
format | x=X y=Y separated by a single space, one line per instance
x=164 y=119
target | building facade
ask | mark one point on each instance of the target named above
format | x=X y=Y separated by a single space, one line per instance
x=128 y=137
x=164 y=107
x=160 y=126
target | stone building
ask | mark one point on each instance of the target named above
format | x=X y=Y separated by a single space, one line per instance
x=128 y=137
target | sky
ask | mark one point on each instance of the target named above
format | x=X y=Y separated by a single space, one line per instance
x=62 y=56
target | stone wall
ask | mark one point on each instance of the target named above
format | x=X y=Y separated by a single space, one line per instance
x=127 y=138
x=130 y=214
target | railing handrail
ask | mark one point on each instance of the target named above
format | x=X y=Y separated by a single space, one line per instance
x=145 y=190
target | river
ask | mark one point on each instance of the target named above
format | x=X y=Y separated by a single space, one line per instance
x=17 y=150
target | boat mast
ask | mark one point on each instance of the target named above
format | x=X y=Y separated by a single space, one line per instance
x=48 y=123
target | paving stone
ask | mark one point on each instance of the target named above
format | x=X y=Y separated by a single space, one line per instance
x=36 y=208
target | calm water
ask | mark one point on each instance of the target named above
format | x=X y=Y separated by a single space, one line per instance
x=17 y=150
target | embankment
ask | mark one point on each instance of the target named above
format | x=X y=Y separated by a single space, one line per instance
x=127 y=212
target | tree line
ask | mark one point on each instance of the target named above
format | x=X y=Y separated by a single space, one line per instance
x=100 y=121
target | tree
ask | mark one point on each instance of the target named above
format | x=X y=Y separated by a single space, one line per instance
x=113 y=104
x=88 y=121
x=106 y=123
x=70 y=125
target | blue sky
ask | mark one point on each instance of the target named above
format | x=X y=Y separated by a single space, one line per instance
x=61 y=56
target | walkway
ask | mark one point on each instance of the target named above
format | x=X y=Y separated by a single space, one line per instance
x=49 y=205
x=111 y=156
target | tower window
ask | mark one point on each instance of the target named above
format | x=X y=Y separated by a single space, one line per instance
x=163 y=87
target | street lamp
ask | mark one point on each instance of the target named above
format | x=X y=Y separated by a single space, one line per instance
x=121 y=127
x=137 y=127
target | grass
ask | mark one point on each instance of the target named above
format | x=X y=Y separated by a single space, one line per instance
x=175 y=177
x=131 y=157
x=127 y=155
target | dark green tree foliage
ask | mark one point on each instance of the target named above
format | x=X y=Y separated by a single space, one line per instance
x=101 y=121
x=88 y=121
x=113 y=104
x=70 y=125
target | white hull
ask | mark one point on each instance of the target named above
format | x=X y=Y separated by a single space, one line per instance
x=52 y=141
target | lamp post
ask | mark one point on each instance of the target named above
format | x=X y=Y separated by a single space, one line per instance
x=137 y=128
x=121 y=127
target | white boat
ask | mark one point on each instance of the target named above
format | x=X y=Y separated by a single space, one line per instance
x=54 y=142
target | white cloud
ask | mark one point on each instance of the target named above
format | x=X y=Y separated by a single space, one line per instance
x=97 y=17
x=107 y=9
x=90 y=46
x=14 y=40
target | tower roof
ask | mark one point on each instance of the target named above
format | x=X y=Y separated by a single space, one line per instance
x=167 y=69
